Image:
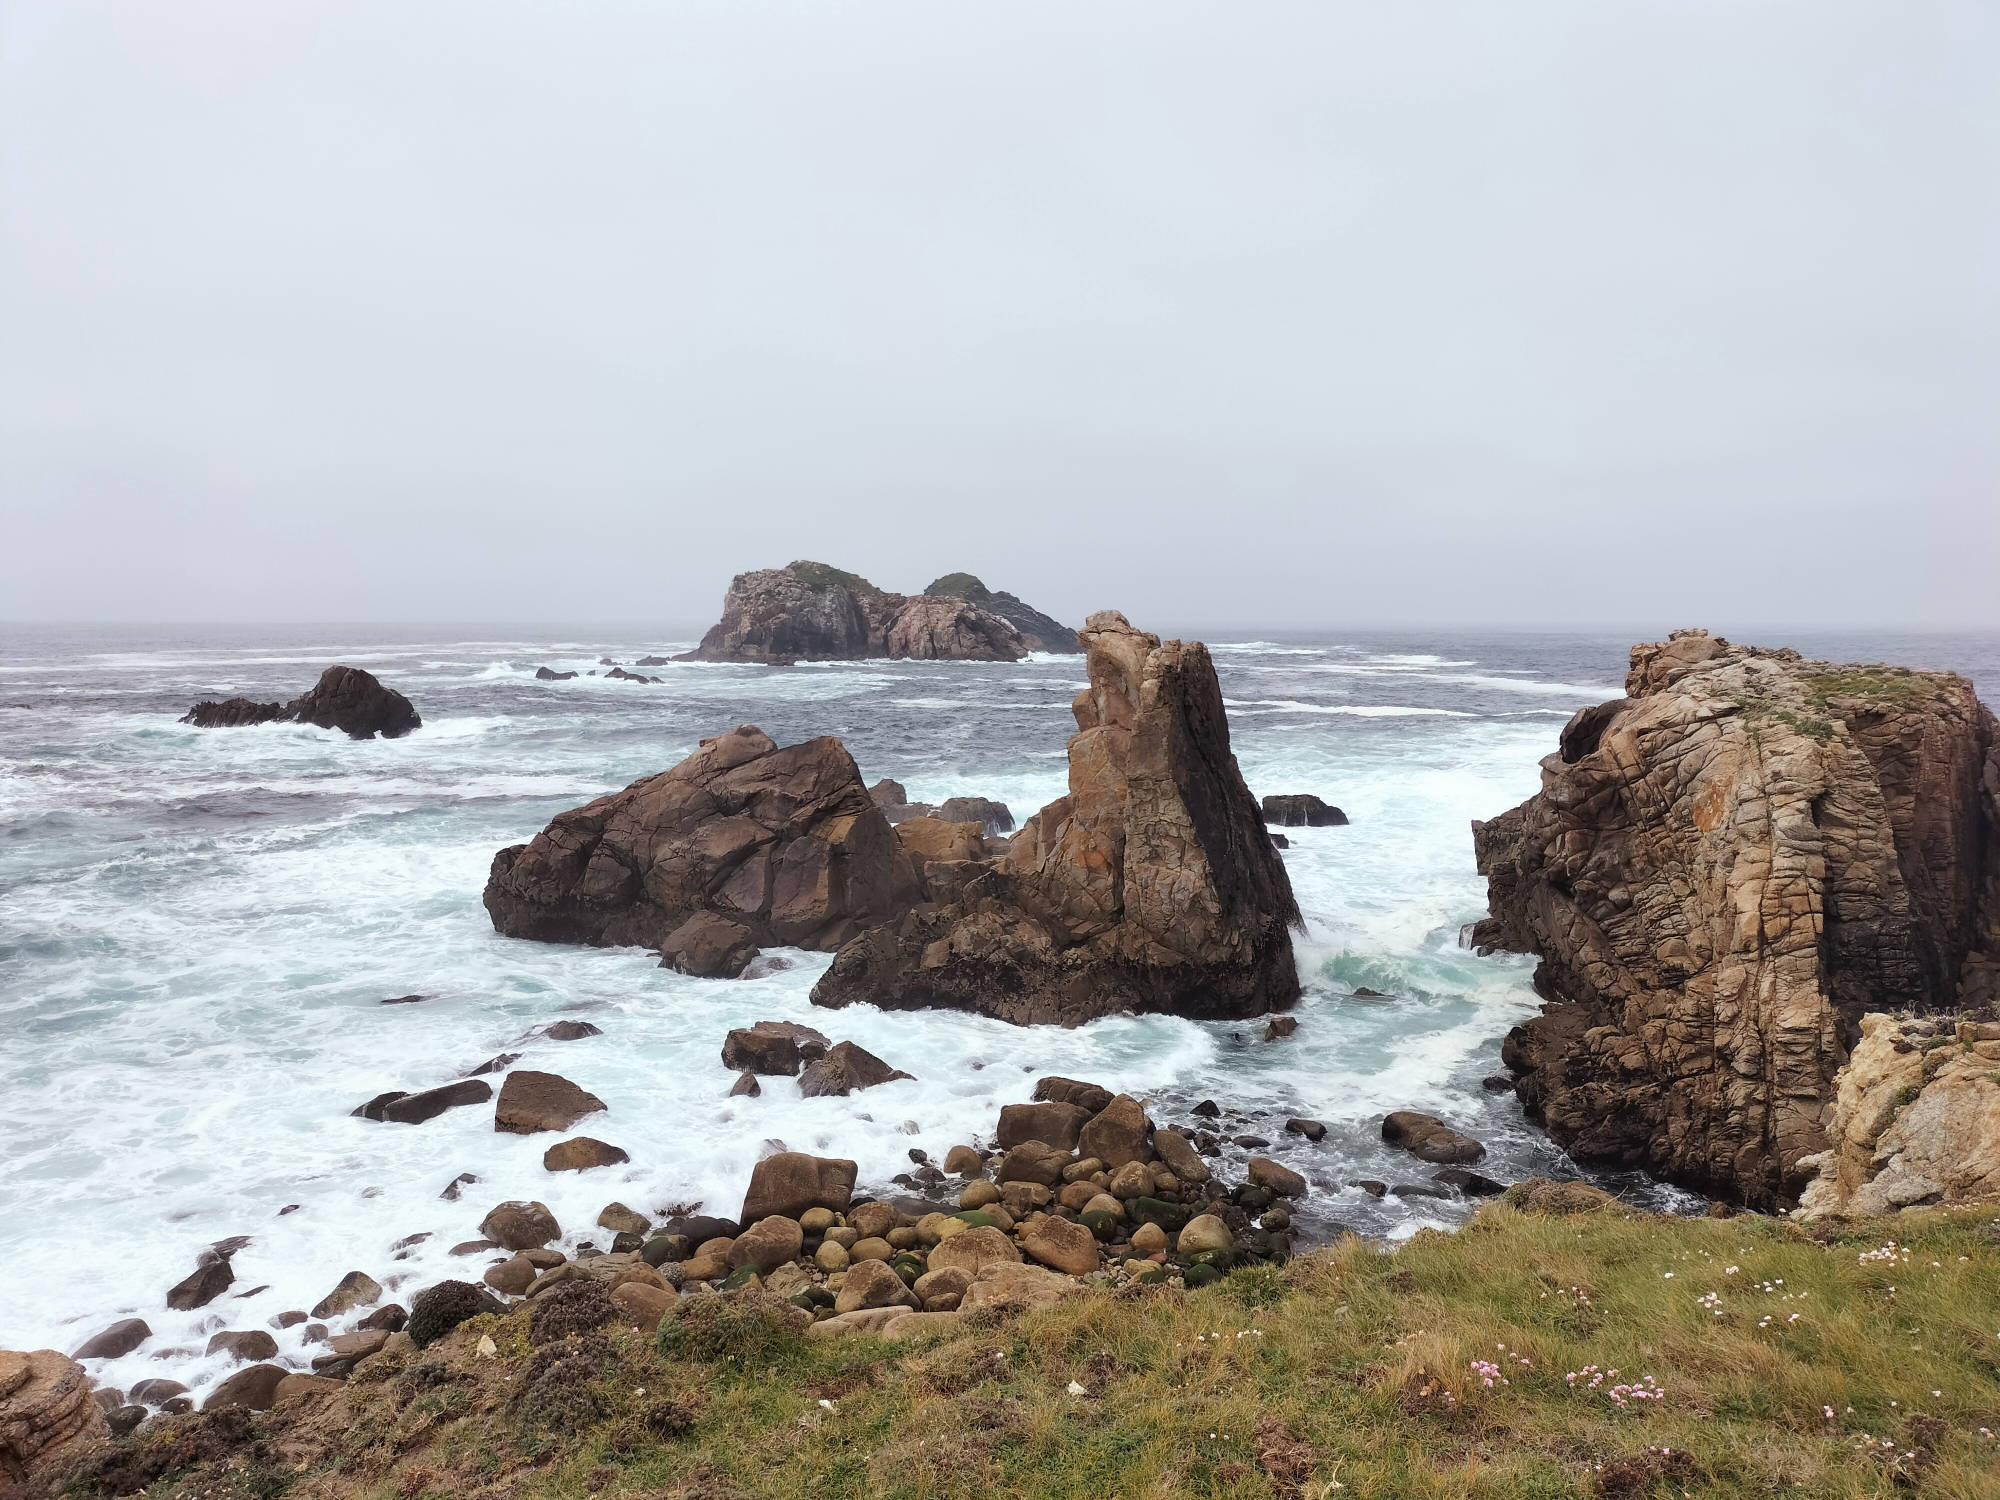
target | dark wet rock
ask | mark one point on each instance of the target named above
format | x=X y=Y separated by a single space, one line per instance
x=372 y=1110
x=1250 y=1142
x=992 y=817
x=203 y=1285
x=405 y=1000
x=846 y=1068
x=120 y=1339
x=157 y=1391
x=1052 y=1122
x=784 y=842
x=787 y=1184
x=1302 y=810
x=1090 y=1096
x=1470 y=1183
x=652 y=661
x=247 y=1345
x=572 y=1031
x=1276 y=1178
x=1429 y=1138
x=519 y=1225
x=1039 y=632
x=1419 y=1190
x=1370 y=1186
x=255 y=1389
x=1279 y=841
x=1312 y=1130
x=887 y=793
x=746 y=1087
x=773 y=1048
x=414 y=1109
x=355 y=1289
x=390 y=1318
x=1208 y=1109
x=582 y=1153
x=1498 y=1083
x=458 y=1185
x=1150 y=887
x=709 y=945
x=124 y=1420
x=621 y=675
x=498 y=1064
x=531 y=1101
x=1280 y=1028
x=546 y=674
x=290 y=1318
x=344 y=698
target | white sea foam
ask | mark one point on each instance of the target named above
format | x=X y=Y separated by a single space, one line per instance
x=196 y=930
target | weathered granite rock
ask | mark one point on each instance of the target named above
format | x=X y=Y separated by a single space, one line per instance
x=807 y=611
x=1302 y=810
x=993 y=818
x=1724 y=869
x=120 y=1339
x=345 y=698
x=1429 y=1138
x=255 y=1389
x=414 y=1109
x=1118 y=1133
x=784 y=842
x=46 y=1413
x=531 y=1102
x=790 y=1183
x=773 y=1048
x=1039 y=632
x=581 y=1153
x=518 y=1225
x=1053 y=1123
x=1089 y=1096
x=1915 y=1120
x=709 y=945
x=1152 y=886
x=845 y=1069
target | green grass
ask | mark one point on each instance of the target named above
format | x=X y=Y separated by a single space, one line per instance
x=1893 y=683
x=821 y=578
x=1362 y=1355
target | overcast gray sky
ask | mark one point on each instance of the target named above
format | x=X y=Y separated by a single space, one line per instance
x=1284 y=314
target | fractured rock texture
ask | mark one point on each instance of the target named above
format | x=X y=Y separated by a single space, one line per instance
x=1723 y=870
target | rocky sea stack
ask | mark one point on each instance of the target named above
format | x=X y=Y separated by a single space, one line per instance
x=1723 y=871
x=808 y=611
x=1152 y=886
x=345 y=698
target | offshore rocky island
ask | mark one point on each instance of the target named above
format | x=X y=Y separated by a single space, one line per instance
x=1765 y=896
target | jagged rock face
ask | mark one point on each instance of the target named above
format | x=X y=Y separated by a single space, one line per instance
x=1915 y=1120
x=807 y=611
x=345 y=698
x=1722 y=870
x=928 y=629
x=1152 y=886
x=804 y=612
x=784 y=842
x=46 y=1413
x=1041 y=632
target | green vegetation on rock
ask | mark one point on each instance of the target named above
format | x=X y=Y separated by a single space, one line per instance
x=821 y=578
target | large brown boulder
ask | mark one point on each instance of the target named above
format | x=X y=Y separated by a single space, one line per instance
x=790 y=1182
x=345 y=698
x=1152 y=886
x=46 y=1413
x=531 y=1102
x=785 y=843
x=847 y=1068
x=773 y=1048
x=808 y=611
x=1722 y=871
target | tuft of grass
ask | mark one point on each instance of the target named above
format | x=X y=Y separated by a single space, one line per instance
x=822 y=578
x=1892 y=683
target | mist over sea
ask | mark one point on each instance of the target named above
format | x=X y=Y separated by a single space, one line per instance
x=197 y=930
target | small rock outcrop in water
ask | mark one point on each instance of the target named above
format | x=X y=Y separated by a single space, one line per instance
x=784 y=843
x=1038 y=631
x=807 y=611
x=344 y=698
x=1724 y=869
x=1302 y=810
x=1915 y=1121
x=1152 y=886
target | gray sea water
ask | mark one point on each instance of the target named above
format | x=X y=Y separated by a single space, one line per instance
x=197 y=930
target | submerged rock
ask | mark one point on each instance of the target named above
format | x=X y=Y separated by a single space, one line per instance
x=1152 y=886
x=845 y=1069
x=1724 y=869
x=783 y=842
x=1302 y=810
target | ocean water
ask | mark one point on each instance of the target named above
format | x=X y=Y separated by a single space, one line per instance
x=197 y=930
